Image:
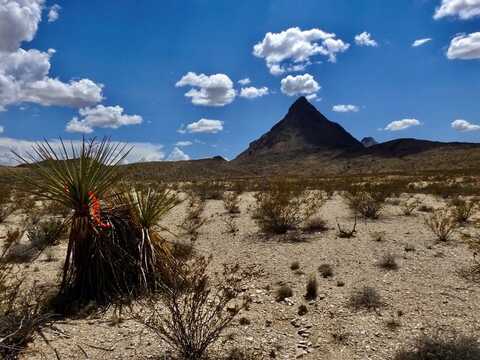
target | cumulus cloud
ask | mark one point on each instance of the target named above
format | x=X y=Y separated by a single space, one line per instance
x=103 y=117
x=183 y=143
x=252 y=92
x=141 y=151
x=208 y=90
x=53 y=13
x=464 y=126
x=24 y=74
x=463 y=9
x=291 y=49
x=421 y=42
x=177 y=155
x=18 y=22
x=465 y=47
x=345 y=108
x=402 y=124
x=244 y=82
x=365 y=39
x=299 y=85
x=206 y=126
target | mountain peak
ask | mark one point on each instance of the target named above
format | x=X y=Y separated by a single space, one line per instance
x=305 y=129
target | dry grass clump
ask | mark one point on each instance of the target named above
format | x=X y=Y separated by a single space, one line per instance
x=366 y=298
x=315 y=224
x=442 y=347
x=442 y=224
x=409 y=205
x=388 y=262
x=231 y=225
x=284 y=206
x=231 y=202
x=283 y=292
x=191 y=313
x=208 y=190
x=311 y=291
x=462 y=209
x=5 y=207
x=326 y=270
x=369 y=204
x=45 y=233
x=193 y=220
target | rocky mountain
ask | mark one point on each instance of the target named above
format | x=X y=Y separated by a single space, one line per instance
x=303 y=129
x=368 y=141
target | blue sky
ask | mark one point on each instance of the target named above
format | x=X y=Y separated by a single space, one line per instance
x=121 y=68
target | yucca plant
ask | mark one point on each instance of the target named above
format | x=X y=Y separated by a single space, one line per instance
x=102 y=255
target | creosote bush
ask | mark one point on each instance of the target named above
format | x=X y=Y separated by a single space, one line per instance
x=367 y=203
x=366 y=298
x=191 y=313
x=442 y=347
x=462 y=209
x=284 y=206
x=441 y=223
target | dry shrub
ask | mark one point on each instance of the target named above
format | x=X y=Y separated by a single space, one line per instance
x=409 y=205
x=365 y=298
x=311 y=292
x=426 y=208
x=388 y=262
x=193 y=311
x=283 y=292
x=367 y=203
x=347 y=233
x=462 y=209
x=442 y=347
x=284 y=206
x=442 y=224
x=208 y=190
x=231 y=226
x=315 y=224
x=378 y=236
x=294 y=266
x=45 y=233
x=231 y=201
x=326 y=270
x=193 y=220
x=302 y=310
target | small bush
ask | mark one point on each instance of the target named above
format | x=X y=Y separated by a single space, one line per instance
x=315 y=224
x=284 y=206
x=311 y=288
x=325 y=270
x=365 y=298
x=378 y=236
x=367 y=203
x=231 y=201
x=283 y=292
x=45 y=233
x=462 y=209
x=388 y=262
x=442 y=224
x=182 y=250
x=208 y=190
x=438 y=347
x=302 y=310
x=198 y=310
x=193 y=220
x=409 y=206
x=295 y=265
x=244 y=321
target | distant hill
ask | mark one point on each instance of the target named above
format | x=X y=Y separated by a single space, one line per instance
x=368 y=141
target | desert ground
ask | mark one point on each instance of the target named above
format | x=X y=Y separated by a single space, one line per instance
x=425 y=294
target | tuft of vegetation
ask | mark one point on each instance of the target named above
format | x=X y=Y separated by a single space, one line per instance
x=284 y=206
x=326 y=270
x=366 y=298
x=283 y=292
x=315 y=224
x=388 y=262
x=409 y=205
x=294 y=266
x=442 y=347
x=231 y=226
x=367 y=203
x=231 y=202
x=462 y=209
x=45 y=233
x=378 y=236
x=442 y=224
x=193 y=220
x=311 y=291
x=198 y=309
x=347 y=233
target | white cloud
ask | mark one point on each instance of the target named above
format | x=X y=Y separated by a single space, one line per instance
x=24 y=74
x=252 y=92
x=421 y=42
x=141 y=151
x=207 y=126
x=103 y=117
x=345 y=108
x=365 y=39
x=244 y=82
x=18 y=22
x=464 y=125
x=53 y=13
x=402 y=124
x=183 y=143
x=299 y=85
x=465 y=47
x=463 y=9
x=177 y=155
x=295 y=48
x=311 y=97
x=208 y=90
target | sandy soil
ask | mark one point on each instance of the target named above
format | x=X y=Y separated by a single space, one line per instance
x=426 y=289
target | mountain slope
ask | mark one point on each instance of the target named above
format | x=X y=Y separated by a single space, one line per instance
x=303 y=129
